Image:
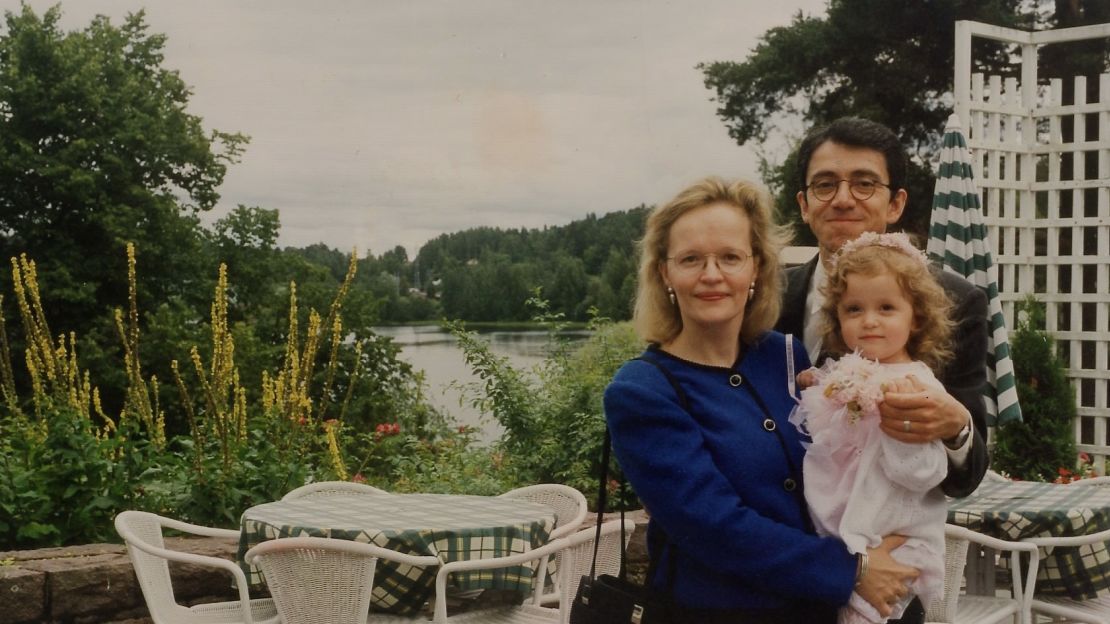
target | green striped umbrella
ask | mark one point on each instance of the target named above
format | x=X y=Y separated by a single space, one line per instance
x=958 y=241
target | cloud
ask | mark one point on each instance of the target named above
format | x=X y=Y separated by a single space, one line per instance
x=375 y=124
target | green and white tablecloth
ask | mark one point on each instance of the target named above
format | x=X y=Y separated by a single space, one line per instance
x=451 y=527
x=1020 y=509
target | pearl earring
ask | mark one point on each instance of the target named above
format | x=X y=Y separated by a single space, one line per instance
x=751 y=291
x=671 y=296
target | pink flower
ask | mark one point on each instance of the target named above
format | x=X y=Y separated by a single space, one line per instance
x=849 y=384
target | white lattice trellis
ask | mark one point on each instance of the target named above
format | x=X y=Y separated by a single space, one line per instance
x=1047 y=204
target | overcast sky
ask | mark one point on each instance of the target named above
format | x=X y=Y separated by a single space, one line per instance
x=377 y=123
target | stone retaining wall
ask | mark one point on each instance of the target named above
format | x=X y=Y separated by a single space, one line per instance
x=96 y=584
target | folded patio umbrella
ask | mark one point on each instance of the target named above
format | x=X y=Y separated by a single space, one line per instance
x=958 y=241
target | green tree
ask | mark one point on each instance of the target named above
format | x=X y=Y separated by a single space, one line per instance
x=246 y=241
x=565 y=285
x=887 y=60
x=1044 y=442
x=619 y=276
x=1074 y=58
x=97 y=150
x=492 y=288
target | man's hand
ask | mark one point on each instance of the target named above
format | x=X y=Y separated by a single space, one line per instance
x=931 y=414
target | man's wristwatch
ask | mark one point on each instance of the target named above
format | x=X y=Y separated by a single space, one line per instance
x=960 y=438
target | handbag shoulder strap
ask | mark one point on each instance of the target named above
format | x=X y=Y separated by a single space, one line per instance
x=682 y=400
x=602 y=500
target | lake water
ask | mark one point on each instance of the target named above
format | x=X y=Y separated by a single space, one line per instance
x=435 y=351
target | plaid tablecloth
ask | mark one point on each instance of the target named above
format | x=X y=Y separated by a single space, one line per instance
x=1020 y=509
x=451 y=527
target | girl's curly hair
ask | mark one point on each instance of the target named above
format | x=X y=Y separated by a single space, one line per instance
x=931 y=339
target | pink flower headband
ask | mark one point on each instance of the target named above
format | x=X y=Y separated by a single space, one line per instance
x=894 y=240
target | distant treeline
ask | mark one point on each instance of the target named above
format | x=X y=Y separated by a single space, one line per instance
x=488 y=274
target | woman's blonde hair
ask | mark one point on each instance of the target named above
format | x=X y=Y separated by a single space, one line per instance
x=658 y=320
x=930 y=341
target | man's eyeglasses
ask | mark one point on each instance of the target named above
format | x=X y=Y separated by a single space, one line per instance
x=825 y=189
x=690 y=263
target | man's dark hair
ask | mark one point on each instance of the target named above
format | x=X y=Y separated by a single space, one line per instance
x=856 y=132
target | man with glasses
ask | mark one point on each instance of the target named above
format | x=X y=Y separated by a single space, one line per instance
x=851 y=179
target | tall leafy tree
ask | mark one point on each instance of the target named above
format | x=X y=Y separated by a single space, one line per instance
x=246 y=241
x=97 y=149
x=888 y=60
x=1088 y=57
x=564 y=285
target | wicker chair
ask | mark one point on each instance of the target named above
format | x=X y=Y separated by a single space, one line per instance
x=943 y=607
x=331 y=488
x=1064 y=609
x=318 y=579
x=142 y=531
x=575 y=559
x=1068 y=609
x=578 y=550
x=569 y=504
x=956 y=608
x=570 y=510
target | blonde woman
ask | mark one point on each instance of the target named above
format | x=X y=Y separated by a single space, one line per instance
x=700 y=426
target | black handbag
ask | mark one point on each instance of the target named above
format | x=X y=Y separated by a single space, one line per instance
x=609 y=599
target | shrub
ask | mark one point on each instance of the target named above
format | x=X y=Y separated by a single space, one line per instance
x=553 y=418
x=1043 y=443
x=66 y=467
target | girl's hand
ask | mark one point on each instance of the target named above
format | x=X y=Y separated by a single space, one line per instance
x=885 y=582
x=903 y=385
x=807 y=378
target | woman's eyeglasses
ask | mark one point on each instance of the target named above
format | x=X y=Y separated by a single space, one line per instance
x=825 y=189
x=689 y=263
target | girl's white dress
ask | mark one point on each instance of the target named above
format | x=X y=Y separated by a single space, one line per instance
x=862 y=484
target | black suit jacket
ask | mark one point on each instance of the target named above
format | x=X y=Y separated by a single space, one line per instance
x=964 y=377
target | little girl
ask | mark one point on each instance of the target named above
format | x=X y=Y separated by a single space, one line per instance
x=889 y=317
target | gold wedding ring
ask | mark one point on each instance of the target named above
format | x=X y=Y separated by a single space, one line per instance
x=906 y=426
